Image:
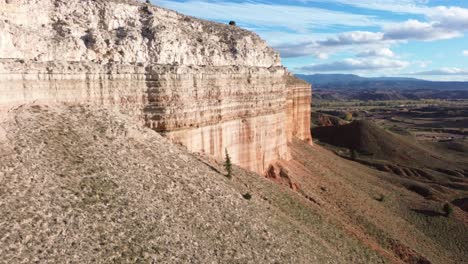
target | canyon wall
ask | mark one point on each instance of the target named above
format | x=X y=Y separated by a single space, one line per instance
x=206 y=85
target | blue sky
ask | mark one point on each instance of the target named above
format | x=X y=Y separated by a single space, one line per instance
x=415 y=38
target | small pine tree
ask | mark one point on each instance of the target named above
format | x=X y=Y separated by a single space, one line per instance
x=353 y=154
x=448 y=209
x=228 y=165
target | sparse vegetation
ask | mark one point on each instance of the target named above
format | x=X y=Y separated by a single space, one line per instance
x=381 y=198
x=97 y=186
x=353 y=154
x=247 y=196
x=232 y=23
x=348 y=116
x=228 y=165
x=448 y=209
x=420 y=189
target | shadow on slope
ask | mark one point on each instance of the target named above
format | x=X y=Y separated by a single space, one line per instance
x=427 y=172
x=372 y=141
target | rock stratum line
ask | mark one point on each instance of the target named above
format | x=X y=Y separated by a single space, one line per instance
x=206 y=85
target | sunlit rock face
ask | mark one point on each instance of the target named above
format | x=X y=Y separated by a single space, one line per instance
x=209 y=86
x=299 y=99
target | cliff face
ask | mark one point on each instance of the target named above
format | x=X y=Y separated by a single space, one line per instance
x=208 y=86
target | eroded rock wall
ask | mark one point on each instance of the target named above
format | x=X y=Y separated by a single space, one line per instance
x=299 y=99
x=208 y=86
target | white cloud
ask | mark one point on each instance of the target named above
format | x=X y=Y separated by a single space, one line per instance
x=379 y=52
x=350 y=64
x=353 y=37
x=277 y=38
x=322 y=55
x=300 y=49
x=332 y=44
x=416 y=30
x=454 y=18
x=443 y=71
x=443 y=23
x=465 y=53
x=317 y=49
x=423 y=64
x=363 y=40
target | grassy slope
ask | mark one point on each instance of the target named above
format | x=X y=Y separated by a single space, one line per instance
x=87 y=185
x=436 y=173
x=381 y=144
x=350 y=192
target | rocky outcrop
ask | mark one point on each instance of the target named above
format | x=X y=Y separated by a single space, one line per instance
x=299 y=101
x=206 y=85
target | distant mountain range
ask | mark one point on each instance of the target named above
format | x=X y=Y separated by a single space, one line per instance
x=341 y=87
x=351 y=81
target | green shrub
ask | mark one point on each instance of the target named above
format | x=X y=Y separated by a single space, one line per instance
x=448 y=209
x=228 y=165
x=348 y=116
x=247 y=196
x=232 y=23
x=353 y=154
